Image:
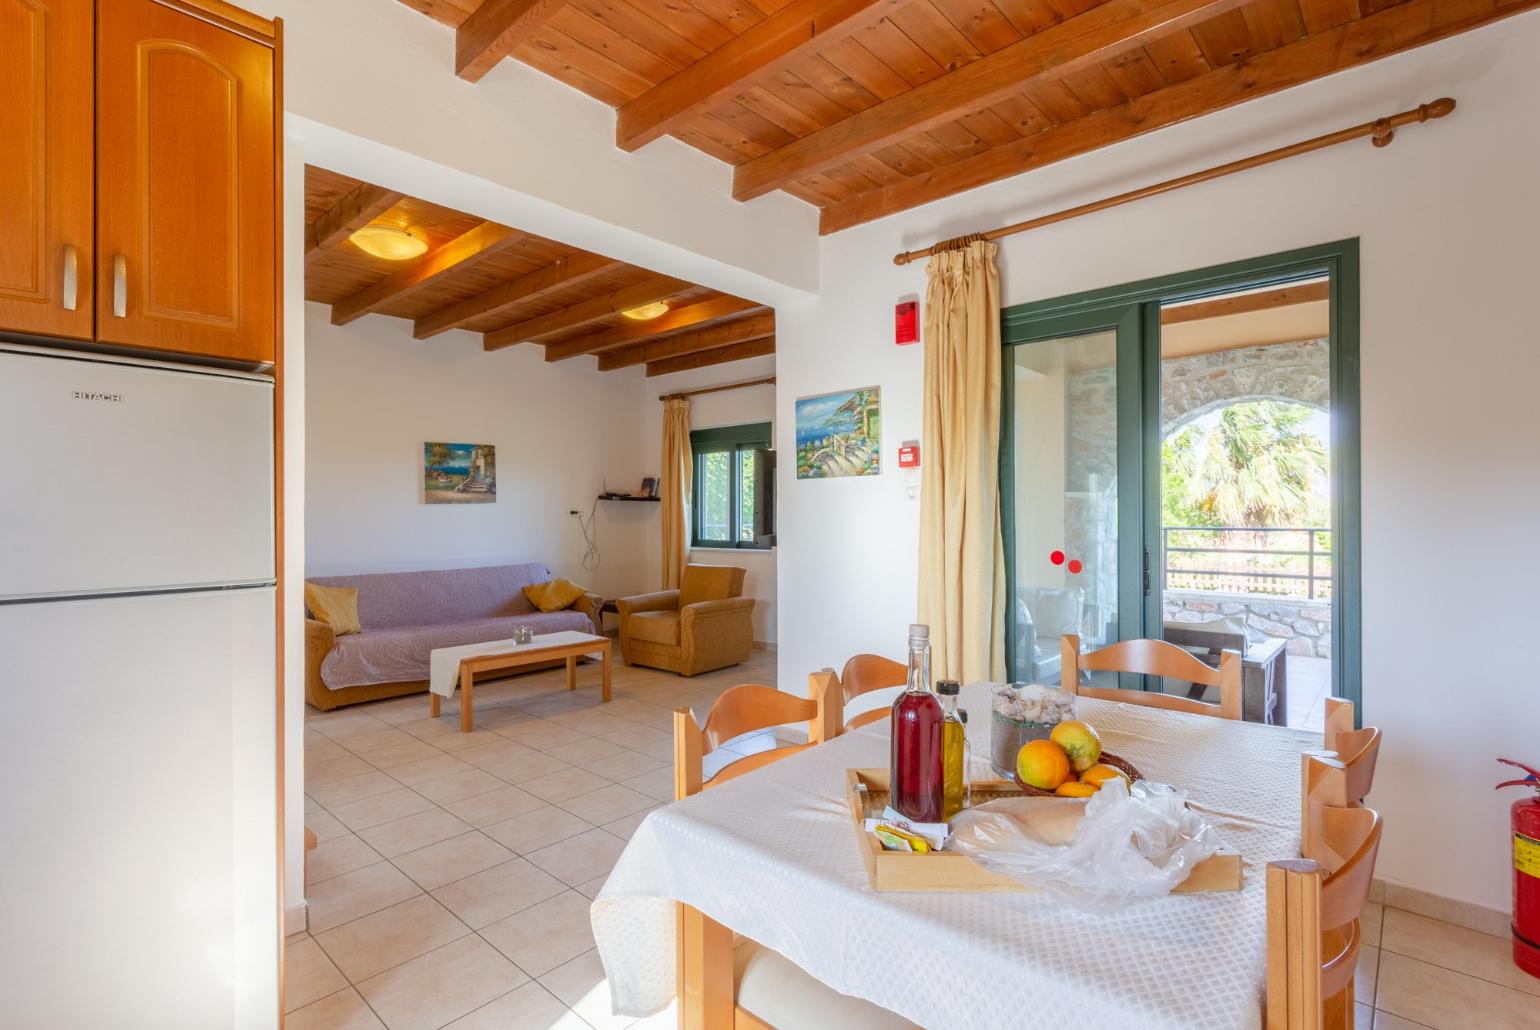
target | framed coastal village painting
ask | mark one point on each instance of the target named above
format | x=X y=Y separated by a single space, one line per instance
x=459 y=473
x=840 y=434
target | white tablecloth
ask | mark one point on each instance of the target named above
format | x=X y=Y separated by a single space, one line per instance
x=772 y=855
x=444 y=662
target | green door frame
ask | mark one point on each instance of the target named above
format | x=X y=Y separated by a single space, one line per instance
x=1133 y=310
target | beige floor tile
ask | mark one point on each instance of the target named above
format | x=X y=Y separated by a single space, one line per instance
x=308 y=975
x=450 y=860
x=324 y=751
x=1454 y=947
x=1371 y=922
x=413 y=832
x=412 y=751
x=543 y=936
x=1447 y=1000
x=436 y=767
x=568 y=783
x=461 y=785
x=354 y=788
x=623 y=765
x=626 y=825
x=441 y=986
x=658 y=785
x=494 y=806
x=343 y=723
x=347 y=897
x=1448 y=910
x=581 y=984
x=1385 y=1021
x=591 y=888
x=663 y=750
x=434 y=730
x=345 y=1010
x=457 y=743
x=536 y=829
x=335 y=769
x=1363 y=1016
x=1365 y=975
x=494 y=751
x=390 y=937
x=529 y=1006
x=585 y=750
x=384 y=737
x=636 y=737
x=524 y=768
x=492 y=894
x=313 y=806
x=324 y=825
x=337 y=856
x=579 y=859
x=382 y=808
x=542 y=735
x=607 y=803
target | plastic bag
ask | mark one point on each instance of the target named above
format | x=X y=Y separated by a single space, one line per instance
x=1115 y=848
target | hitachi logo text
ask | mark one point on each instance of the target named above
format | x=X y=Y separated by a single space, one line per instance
x=97 y=395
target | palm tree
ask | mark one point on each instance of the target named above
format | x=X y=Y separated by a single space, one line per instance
x=1256 y=467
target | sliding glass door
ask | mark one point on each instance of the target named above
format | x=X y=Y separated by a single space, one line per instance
x=1179 y=460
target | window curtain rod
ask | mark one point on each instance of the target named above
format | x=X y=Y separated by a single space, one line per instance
x=717 y=389
x=1381 y=130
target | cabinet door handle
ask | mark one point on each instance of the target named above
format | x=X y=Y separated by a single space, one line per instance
x=119 y=286
x=70 y=294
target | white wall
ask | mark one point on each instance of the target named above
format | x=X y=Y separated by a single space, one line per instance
x=374 y=396
x=1451 y=479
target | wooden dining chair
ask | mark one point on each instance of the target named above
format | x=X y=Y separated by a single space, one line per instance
x=1153 y=658
x=745 y=709
x=1341 y=775
x=1314 y=904
x=865 y=674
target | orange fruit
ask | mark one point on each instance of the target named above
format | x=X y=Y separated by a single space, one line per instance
x=1080 y=742
x=1100 y=774
x=1074 y=789
x=1042 y=764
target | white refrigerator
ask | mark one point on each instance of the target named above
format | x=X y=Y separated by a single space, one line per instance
x=138 y=738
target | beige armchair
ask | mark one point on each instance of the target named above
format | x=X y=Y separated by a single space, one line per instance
x=706 y=624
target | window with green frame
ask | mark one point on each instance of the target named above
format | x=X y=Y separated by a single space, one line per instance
x=733 y=488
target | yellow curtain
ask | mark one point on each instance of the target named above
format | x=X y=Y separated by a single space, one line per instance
x=678 y=465
x=962 y=560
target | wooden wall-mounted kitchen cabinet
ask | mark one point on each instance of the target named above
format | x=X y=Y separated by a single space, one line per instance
x=186 y=187
x=46 y=121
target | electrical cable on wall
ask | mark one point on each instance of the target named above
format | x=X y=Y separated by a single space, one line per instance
x=590 y=536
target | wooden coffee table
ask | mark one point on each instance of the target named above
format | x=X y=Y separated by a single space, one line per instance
x=532 y=653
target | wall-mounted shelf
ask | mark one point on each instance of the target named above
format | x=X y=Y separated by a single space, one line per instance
x=653 y=500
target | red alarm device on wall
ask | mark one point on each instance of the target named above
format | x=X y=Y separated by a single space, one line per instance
x=906 y=322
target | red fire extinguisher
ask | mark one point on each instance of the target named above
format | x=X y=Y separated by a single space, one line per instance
x=1526 y=871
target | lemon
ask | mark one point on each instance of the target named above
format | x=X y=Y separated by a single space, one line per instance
x=1080 y=742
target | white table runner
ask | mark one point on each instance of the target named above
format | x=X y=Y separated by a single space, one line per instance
x=772 y=855
x=444 y=662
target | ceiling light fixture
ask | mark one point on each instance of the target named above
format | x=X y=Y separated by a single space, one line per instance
x=389 y=242
x=647 y=311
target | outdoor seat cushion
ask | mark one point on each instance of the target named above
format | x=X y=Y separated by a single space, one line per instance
x=399 y=654
x=654 y=627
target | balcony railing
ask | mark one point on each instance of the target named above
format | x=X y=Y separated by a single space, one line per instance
x=1280 y=561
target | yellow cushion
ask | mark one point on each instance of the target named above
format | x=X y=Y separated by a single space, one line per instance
x=654 y=627
x=709 y=583
x=335 y=606
x=553 y=596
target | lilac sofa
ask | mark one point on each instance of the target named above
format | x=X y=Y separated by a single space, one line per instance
x=405 y=615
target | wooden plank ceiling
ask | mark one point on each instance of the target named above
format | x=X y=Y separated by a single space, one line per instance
x=867 y=107
x=514 y=287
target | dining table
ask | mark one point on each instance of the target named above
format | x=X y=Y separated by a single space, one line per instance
x=773 y=855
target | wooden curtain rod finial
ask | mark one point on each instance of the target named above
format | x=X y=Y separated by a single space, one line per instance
x=1381 y=131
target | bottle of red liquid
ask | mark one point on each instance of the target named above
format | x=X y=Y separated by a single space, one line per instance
x=917 y=788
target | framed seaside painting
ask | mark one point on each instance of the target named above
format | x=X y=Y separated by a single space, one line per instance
x=459 y=473
x=840 y=434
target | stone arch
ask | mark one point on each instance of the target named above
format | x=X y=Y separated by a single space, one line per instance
x=1194 y=385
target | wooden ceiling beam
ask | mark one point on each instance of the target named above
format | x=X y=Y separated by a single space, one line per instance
x=1245 y=303
x=1097 y=35
x=357 y=208
x=679 y=319
x=648 y=291
x=755 y=327
x=794 y=31
x=494 y=29
x=460 y=253
x=1389 y=31
x=569 y=271
x=737 y=352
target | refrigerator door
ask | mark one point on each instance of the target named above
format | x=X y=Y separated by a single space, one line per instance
x=123 y=476
x=138 y=861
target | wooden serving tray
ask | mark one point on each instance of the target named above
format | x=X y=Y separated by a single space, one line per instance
x=954 y=871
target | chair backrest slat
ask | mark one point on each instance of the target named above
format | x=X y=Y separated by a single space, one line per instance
x=1153 y=658
x=745 y=709
x=863 y=674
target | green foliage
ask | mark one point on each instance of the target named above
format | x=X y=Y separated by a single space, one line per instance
x=1257 y=466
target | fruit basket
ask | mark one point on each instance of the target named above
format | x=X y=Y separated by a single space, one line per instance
x=941 y=871
x=1121 y=764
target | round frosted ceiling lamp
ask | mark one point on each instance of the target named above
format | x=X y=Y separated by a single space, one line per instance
x=647 y=311
x=389 y=242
